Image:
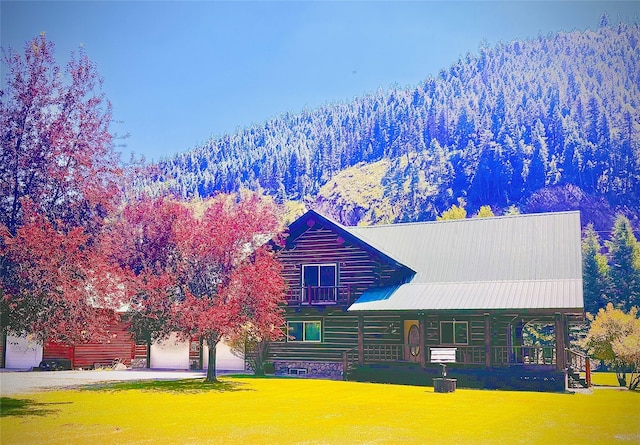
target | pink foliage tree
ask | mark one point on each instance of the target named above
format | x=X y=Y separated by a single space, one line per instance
x=207 y=274
x=141 y=240
x=58 y=180
x=229 y=275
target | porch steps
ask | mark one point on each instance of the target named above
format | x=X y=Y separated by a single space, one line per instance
x=575 y=380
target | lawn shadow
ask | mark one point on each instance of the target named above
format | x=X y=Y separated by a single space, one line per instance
x=26 y=407
x=174 y=386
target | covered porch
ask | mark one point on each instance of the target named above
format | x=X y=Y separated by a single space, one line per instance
x=480 y=347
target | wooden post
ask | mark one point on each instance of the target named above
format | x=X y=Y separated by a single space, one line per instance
x=360 y=340
x=560 y=341
x=487 y=340
x=345 y=366
x=4 y=350
x=148 y=353
x=423 y=349
x=587 y=371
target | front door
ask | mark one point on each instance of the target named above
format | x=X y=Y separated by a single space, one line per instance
x=412 y=348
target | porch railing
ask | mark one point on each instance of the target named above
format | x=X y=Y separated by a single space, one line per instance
x=319 y=295
x=579 y=362
x=524 y=355
x=384 y=352
x=466 y=355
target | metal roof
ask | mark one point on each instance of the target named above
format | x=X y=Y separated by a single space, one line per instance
x=523 y=261
x=523 y=247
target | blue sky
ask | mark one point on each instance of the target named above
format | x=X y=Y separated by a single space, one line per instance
x=178 y=73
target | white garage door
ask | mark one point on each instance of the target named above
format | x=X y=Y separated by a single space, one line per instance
x=23 y=352
x=225 y=360
x=171 y=353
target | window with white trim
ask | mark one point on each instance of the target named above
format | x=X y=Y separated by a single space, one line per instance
x=454 y=332
x=304 y=331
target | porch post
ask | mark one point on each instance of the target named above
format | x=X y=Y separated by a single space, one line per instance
x=360 y=340
x=487 y=340
x=423 y=349
x=560 y=341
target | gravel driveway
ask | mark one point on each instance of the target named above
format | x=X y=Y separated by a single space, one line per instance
x=16 y=382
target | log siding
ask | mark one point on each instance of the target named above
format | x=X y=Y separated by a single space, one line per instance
x=357 y=269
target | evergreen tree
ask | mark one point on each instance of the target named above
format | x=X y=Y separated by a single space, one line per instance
x=507 y=123
x=624 y=260
x=594 y=271
x=484 y=212
x=454 y=212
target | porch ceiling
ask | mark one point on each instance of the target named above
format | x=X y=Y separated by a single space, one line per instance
x=477 y=295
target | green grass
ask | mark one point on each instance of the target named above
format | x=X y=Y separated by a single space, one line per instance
x=305 y=411
x=604 y=379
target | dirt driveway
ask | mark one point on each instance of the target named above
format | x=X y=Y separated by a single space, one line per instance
x=16 y=382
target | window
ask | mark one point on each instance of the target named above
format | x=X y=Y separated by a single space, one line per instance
x=310 y=331
x=319 y=275
x=454 y=332
x=319 y=282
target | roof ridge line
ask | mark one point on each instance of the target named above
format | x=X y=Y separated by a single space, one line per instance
x=416 y=223
x=491 y=281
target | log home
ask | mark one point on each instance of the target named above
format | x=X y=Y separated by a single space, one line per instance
x=382 y=303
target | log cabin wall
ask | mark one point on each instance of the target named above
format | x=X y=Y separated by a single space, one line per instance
x=339 y=333
x=383 y=329
x=357 y=269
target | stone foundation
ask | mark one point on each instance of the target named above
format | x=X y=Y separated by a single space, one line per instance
x=323 y=370
x=138 y=363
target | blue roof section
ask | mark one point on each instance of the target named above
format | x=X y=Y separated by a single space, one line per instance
x=377 y=294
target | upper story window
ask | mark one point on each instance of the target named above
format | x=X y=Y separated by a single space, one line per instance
x=319 y=282
x=454 y=332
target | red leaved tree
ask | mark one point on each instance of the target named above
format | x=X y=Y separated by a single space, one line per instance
x=228 y=275
x=203 y=273
x=58 y=287
x=260 y=281
x=141 y=240
x=58 y=179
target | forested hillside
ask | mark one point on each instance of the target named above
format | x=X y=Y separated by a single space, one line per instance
x=545 y=124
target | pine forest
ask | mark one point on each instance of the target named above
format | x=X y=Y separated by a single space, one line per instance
x=538 y=125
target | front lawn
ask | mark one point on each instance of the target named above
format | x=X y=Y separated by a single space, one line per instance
x=272 y=411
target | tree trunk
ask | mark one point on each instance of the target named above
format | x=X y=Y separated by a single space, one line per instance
x=148 y=358
x=622 y=378
x=211 y=361
x=262 y=348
